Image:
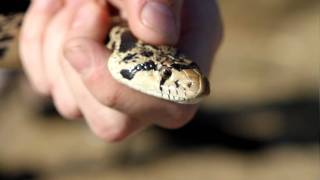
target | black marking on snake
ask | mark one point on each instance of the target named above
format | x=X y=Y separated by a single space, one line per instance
x=158 y=59
x=167 y=73
x=126 y=74
x=189 y=84
x=129 y=57
x=162 y=81
x=117 y=32
x=128 y=41
x=129 y=74
x=6 y=38
x=149 y=65
x=177 y=83
x=147 y=53
x=180 y=67
x=165 y=76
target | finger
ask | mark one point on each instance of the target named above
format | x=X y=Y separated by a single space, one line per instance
x=88 y=58
x=36 y=20
x=107 y=123
x=91 y=22
x=201 y=25
x=55 y=36
x=155 y=21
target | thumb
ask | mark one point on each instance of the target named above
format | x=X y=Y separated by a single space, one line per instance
x=155 y=21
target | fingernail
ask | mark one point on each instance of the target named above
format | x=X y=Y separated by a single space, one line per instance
x=86 y=14
x=47 y=4
x=160 y=17
x=77 y=55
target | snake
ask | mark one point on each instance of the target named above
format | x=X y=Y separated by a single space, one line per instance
x=161 y=71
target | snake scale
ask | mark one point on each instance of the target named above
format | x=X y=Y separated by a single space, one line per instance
x=159 y=71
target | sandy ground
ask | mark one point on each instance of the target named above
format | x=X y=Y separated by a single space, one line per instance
x=53 y=148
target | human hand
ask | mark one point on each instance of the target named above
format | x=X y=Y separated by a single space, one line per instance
x=64 y=56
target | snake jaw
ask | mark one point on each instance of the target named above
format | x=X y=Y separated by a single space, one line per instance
x=190 y=84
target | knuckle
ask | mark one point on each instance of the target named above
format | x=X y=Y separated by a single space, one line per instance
x=111 y=100
x=180 y=117
x=110 y=130
x=40 y=86
x=67 y=109
x=108 y=98
x=68 y=112
x=110 y=133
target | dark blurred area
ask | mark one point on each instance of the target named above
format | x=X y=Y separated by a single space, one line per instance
x=261 y=121
x=13 y=6
x=252 y=128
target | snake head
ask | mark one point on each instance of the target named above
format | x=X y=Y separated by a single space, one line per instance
x=160 y=71
x=183 y=83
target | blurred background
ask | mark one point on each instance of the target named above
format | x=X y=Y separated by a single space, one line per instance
x=261 y=121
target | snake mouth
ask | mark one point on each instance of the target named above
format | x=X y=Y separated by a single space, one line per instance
x=204 y=90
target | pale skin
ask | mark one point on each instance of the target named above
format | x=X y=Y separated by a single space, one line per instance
x=63 y=54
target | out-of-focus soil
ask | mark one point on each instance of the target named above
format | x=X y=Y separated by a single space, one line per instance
x=270 y=52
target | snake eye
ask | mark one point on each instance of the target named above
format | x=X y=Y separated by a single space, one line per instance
x=166 y=73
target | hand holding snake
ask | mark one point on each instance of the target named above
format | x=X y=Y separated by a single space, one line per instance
x=63 y=53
